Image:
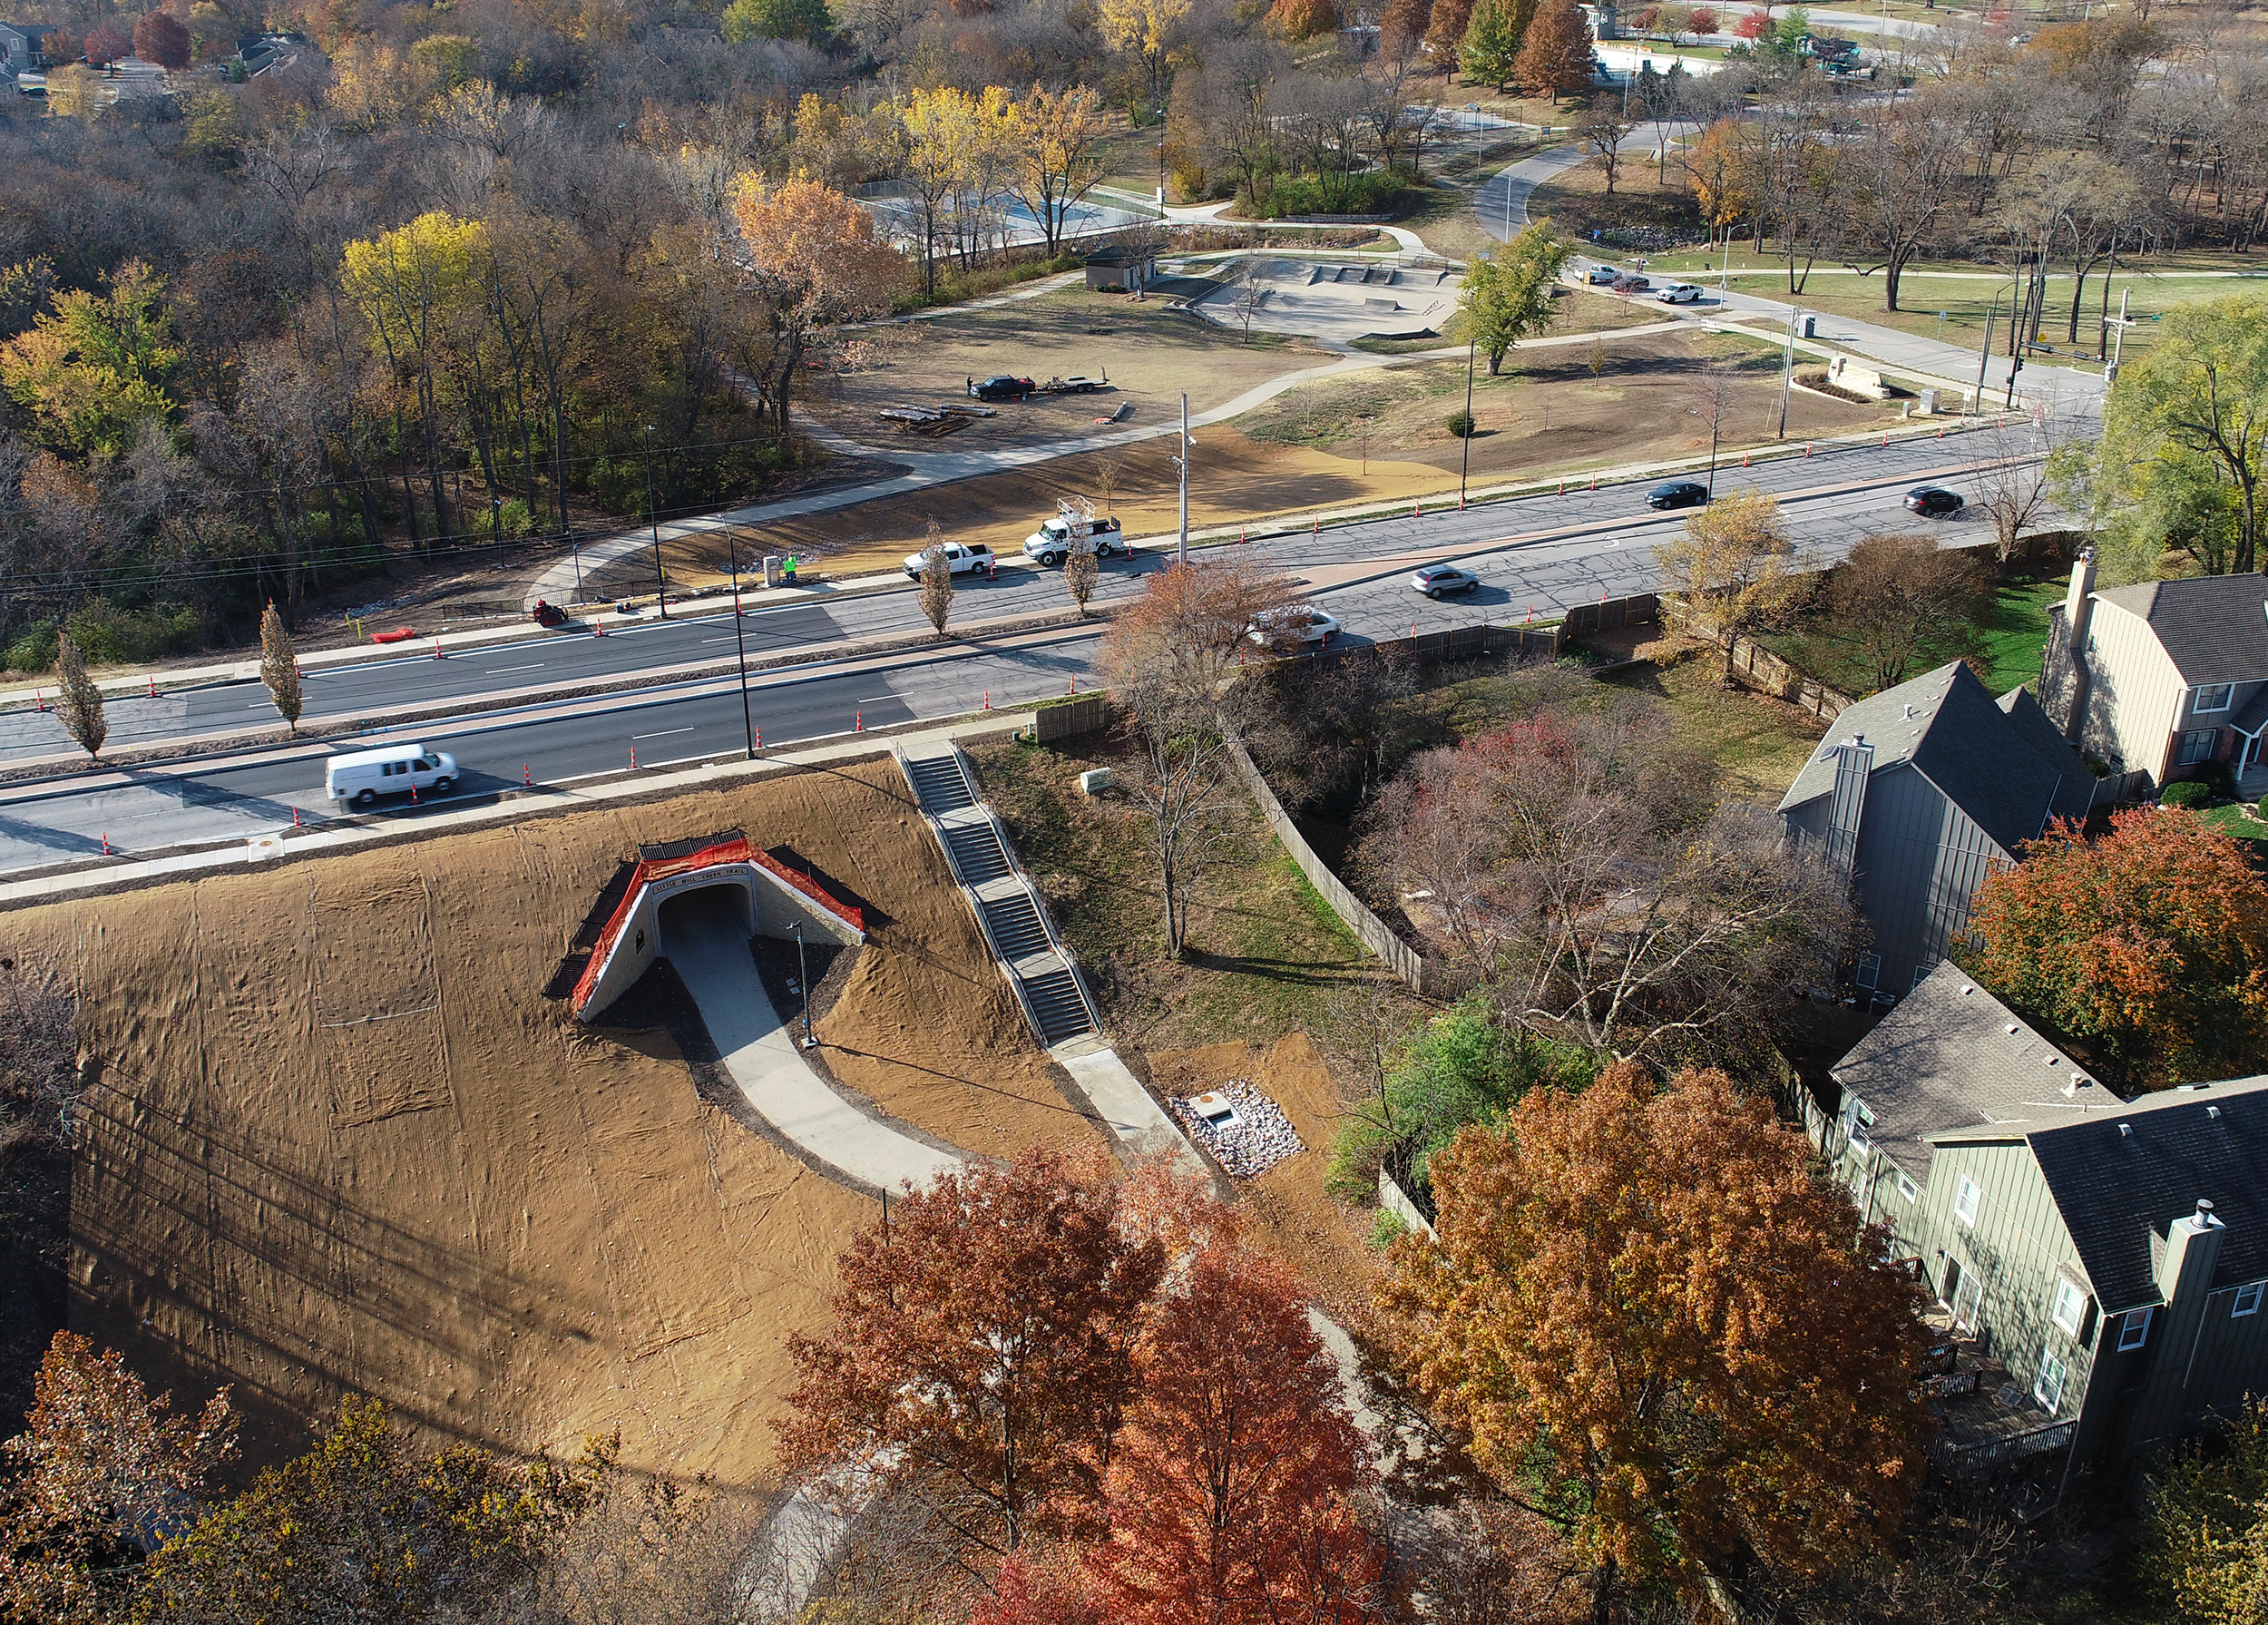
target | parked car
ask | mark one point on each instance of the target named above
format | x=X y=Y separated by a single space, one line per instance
x=1678 y=293
x=1603 y=276
x=1052 y=544
x=361 y=777
x=1003 y=387
x=1677 y=493
x=1301 y=623
x=1933 y=502
x=1436 y=581
x=975 y=556
x=1631 y=282
x=546 y=613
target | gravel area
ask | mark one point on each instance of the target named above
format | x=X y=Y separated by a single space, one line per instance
x=1259 y=1137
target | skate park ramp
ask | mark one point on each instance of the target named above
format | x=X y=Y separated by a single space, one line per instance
x=1342 y=300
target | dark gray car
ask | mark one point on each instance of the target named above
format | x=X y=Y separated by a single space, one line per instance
x=1677 y=493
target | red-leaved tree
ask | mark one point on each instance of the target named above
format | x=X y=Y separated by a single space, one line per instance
x=981 y=1355
x=2152 y=942
x=1752 y=26
x=160 y=37
x=1044 y=1589
x=107 y=42
x=1701 y=19
x=1231 y=1488
x=98 y=1463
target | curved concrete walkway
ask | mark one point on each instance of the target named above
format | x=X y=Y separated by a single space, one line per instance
x=709 y=949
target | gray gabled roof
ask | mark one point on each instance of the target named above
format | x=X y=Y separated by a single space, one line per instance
x=2007 y=775
x=2214 y=628
x=2118 y=1191
x=1945 y=1060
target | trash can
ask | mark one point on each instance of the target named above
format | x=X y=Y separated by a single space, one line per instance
x=775 y=570
x=1811 y=327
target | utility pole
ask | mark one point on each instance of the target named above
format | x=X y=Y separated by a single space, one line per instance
x=1984 y=355
x=739 y=641
x=803 y=980
x=1787 y=370
x=661 y=579
x=1182 y=548
x=2119 y=323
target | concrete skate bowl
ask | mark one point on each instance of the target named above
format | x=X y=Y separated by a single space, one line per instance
x=343 y=1142
x=1342 y=300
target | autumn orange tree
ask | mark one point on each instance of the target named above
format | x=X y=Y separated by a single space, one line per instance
x=818 y=260
x=1665 y=1336
x=2152 y=942
x=982 y=1354
x=99 y=1463
x=1231 y=1488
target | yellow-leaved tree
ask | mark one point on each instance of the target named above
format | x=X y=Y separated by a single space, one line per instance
x=94 y=370
x=421 y=290
x=1145 y=30
x=817 y=260
x=1056 y=164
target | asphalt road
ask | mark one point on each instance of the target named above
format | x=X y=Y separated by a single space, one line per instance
x=1358 y=572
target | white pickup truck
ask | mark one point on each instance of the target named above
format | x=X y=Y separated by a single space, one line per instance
x=975 y=556
x=1051 y=545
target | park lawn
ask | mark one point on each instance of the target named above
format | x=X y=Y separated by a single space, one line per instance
x=1577 y=201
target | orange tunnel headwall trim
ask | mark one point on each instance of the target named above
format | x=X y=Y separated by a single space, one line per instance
x=611 y=969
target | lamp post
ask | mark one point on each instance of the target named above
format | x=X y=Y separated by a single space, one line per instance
x=1181 y=547
x=1465 y=465
x=803 y=980
x=660 y=581
x=739 y=641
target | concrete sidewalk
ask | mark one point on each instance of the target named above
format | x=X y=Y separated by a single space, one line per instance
x=709 y=949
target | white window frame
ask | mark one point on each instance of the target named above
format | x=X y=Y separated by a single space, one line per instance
x=1858 y=1125
x=2197 y=746
x=1907 y=1189
x=1868 y=972
x=2049 y=1389
x=2213 y=697
x=2134 y=1329
x=2247 y=1300
x=1921 y=971
x=1967 y=1197
x=2069 y=1310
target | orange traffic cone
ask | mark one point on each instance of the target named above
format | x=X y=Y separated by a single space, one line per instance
x=633 y=758
x=858 y=720
x=527 y=775
x=153 y=687
x=988 y=699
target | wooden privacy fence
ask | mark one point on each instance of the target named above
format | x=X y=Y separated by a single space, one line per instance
x=1758 y=668
x=1068 y=718
x=1376 y=934
x=1612 y=614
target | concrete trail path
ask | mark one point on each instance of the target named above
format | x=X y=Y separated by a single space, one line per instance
x=709 y=948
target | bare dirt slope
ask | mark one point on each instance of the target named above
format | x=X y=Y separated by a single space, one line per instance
x=342 y=1143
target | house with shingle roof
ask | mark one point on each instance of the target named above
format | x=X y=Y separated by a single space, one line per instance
x=2104 y=1259
x=2159 y=678
x=1919 y=793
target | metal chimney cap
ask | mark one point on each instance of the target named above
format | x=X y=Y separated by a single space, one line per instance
x=2205 y=1207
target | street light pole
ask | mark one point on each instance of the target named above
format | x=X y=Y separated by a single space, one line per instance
x=803 y=980
x=660 y=581
x=1787 y=371
x=1181 y=547
x=1472 y=339
x=739 y=641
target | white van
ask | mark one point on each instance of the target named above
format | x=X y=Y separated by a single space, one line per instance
x=361 y=777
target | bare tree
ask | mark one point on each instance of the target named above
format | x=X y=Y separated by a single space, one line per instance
x=1901 y=598
x=78 y=703
x=1600 y=131
x=1169 y=657
x=2013 y=488
x=936 y=579
x=1587 y=873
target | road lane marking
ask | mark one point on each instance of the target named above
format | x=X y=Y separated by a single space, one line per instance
x=501 y=670
x=664 y=734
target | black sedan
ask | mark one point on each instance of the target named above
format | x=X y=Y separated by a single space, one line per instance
x=1677 y=493
x=1933 y=502
x=1436 y=581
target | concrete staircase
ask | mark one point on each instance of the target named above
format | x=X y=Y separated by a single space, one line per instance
x=1009 y=910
